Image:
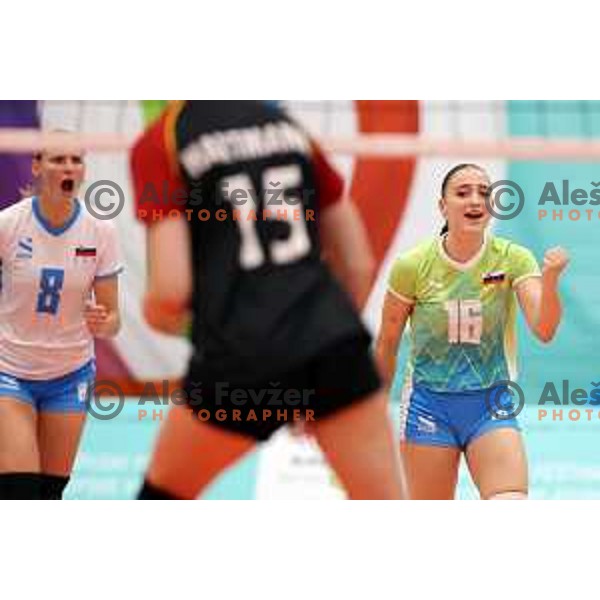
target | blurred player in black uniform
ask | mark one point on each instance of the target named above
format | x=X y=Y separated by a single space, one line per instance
x=247 y=226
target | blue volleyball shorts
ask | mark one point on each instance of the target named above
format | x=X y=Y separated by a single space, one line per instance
x=63 y=394
x=453 y=419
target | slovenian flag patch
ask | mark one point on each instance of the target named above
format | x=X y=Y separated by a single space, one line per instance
x=85 y=251
x=494 y=277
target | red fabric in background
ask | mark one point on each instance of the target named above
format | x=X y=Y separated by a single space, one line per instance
x=381 y=187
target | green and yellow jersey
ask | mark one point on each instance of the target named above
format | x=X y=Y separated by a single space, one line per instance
x=462 y=327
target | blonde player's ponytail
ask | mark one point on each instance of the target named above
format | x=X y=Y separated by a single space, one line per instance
x=31 y=188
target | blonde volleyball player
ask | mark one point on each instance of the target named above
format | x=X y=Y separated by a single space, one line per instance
x=58 y=290
x=459 y=294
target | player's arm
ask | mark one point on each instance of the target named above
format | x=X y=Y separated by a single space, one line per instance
x=347 y=250
x=101 y=313
x=344 y=240
x=539 y=297
x=397 y=306
x=169 y=287
x=394 y=316
x=154 y=168
x=102 y=316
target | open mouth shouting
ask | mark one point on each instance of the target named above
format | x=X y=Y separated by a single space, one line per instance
x=67 y=185
x=475 y=215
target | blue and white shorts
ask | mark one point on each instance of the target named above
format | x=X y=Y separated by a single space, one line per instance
x=66 y=394
x=453 y=419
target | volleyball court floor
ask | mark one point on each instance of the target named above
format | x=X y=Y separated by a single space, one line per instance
x=564 y=459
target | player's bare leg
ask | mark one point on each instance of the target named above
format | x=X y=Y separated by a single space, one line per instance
x=359 y=444
x=498 y=465
x=18 y=444
x=432 y=471
x=189 y=454
x=59 y=435
x=19 y=459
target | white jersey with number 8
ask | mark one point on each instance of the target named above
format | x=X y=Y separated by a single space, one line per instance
x=46 y=277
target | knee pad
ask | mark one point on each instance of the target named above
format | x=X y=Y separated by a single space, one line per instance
x=20 y=486
x=152 y=492
x=53 y=486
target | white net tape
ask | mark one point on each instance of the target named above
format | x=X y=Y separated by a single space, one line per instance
x=106 y=126
x=18 y=141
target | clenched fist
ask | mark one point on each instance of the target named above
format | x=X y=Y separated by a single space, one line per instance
x=97 y=319
x=555 y=261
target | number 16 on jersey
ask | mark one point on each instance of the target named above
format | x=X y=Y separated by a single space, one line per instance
x=465 y=321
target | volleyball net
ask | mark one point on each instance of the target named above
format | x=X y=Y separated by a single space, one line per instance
x=457 y=137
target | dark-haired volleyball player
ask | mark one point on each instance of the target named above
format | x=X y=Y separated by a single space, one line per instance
x=58 y=290
x=267 y=310
x=458 y=291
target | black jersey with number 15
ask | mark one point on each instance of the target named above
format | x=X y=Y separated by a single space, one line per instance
x=251 y=184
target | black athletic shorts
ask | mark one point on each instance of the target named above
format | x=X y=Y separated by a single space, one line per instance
x=336 y=378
